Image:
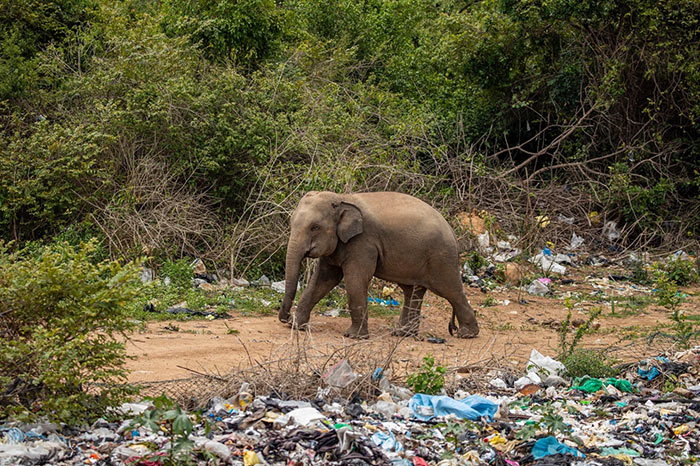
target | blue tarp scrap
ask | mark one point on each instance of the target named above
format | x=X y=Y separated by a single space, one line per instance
x=473 y=407
x=551 y=446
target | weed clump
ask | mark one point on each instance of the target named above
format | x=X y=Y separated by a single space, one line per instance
x=580 y=361
x=593 y=363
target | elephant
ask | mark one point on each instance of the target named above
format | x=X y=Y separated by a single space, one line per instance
x=388 y=235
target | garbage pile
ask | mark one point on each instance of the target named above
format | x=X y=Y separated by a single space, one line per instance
x=648 y=415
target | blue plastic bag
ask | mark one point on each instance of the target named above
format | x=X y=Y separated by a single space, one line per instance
x=551 y=446
x=387 y=441
x=473 y=407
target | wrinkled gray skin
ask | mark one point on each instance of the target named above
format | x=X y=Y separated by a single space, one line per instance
x=392 y=236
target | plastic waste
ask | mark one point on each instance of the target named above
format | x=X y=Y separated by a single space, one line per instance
x=387 y=441
x=250 y=458
x=647 y=370
x=563 y=219
x=243 y=398
x=530 y=379
x=547 y=264
x=537 y=288
x=576 y=242
x=610 y=451
x=340 y=375
x=473 y=407
x=219 y=449
x=498 y=383
x=545 y=365
x=591 y=385
x=680 y=254
x=147 y=275
x=551 y=446
x=483 y=240
x=278 y=286
x=610 y=231
x=385 y=408
x=305 y=416
x=383 y=302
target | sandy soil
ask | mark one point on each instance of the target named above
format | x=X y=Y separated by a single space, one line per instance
x=508 y=332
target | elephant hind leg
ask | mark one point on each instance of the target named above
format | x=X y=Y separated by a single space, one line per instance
x=452 y=291
x=410 y=314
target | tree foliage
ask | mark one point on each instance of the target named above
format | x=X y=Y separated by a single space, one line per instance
x=229 y=103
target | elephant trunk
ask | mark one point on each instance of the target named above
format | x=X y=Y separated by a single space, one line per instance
x=295 y=253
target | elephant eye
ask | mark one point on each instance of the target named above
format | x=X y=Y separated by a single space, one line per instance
x=315 y=227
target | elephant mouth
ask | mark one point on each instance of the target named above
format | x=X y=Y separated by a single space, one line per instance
x=312 y=254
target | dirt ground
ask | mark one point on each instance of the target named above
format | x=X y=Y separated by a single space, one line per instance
x=508 y=333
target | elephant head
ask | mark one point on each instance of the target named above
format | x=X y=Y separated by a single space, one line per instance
x=320 y=220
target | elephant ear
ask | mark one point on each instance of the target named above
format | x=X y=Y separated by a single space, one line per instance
x=349 y=221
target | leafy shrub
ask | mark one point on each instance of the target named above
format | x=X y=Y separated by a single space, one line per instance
x=179 y=272
x=429 y=378
x=476 y=261
x=62 y=322
x=681 y=272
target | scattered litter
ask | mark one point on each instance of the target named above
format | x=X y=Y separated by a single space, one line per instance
x=305 y=416
x=436 y=340
x=383 y=302
x=483 y=240
x=610 y=231
x=547 y=264
x=544 y=365
x=595 y=422
x=538 y=288
x=278 y=286
x=340 y=375
x=591 y=385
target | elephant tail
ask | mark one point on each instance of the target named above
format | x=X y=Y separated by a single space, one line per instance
x=452 y=326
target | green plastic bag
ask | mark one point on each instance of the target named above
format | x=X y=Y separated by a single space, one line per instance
x=591 y=385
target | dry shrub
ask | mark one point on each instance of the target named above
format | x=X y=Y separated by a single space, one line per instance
x=155 y=213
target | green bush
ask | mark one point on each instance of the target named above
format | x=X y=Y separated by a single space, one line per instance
x=681 y=272
x=429 y=378
x=61 y=333
x=179 y=272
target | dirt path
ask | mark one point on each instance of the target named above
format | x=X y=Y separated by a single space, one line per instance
x=507 y=332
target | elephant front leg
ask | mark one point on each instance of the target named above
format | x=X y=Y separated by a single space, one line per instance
x=357 y=278
x=410 y=314
x=323 y=280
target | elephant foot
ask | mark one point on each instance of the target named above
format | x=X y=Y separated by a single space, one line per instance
x=467 y=332
x=286 y=316
x=300 y=324
x=356 y=333
x=405 y=331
